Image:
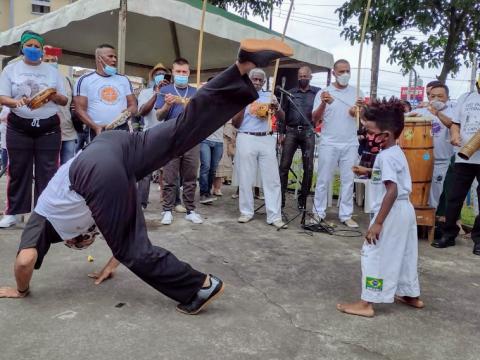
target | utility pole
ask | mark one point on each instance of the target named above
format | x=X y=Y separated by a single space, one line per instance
x=376 y=47
x=473 y=76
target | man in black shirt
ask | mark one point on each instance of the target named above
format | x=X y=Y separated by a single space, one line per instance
x=298 y=130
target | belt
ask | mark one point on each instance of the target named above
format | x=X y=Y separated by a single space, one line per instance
x=265 y=133
x=299 y=127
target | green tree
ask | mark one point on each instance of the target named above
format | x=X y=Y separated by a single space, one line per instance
x=386 y=19
x=452 y=35
x=245 y=8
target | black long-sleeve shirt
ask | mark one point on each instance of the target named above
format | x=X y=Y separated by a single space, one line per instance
x=304 y=101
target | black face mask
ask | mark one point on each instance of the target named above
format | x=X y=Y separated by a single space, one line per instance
x=303 y=83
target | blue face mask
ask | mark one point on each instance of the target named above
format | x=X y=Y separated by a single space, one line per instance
x=54 y=65
x=110 y=70
x=181 y=80
x=159 y=78
x=32 y=53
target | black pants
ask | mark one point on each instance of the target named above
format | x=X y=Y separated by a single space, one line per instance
x=306 y=140
x=447 y=187
x=463 y=176
x=106 y=172
x=30 y=144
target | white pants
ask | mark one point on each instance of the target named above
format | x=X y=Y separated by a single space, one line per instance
x=440 y=168
x=329 y=158
x=258 y=152
x=390 y=266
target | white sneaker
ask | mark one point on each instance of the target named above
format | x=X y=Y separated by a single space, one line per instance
x=351 y=223
x=279 y=224
x=180 y=209
x=244 y=219
x=235 y=196
x=167 y=218
x=194 y=218
x=7 y=221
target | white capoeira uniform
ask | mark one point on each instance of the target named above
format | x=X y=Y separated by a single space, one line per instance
x=390 y=266
x=442 y=153
x=255 y=152
x=338 y=148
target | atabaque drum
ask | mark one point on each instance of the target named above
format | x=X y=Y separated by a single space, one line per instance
x=416 y=142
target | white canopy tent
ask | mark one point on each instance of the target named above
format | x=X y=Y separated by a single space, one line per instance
x=156 y=30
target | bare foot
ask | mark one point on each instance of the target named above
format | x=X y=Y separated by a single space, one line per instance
x=360 y=308
x=410 y=301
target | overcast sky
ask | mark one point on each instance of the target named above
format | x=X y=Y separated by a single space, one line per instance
x=315 y=23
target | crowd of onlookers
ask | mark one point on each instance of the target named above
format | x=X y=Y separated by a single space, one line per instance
x=243 y=153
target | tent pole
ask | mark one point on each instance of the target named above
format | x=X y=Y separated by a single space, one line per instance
x=277 y=65
x=122 y=35
x=200 y=43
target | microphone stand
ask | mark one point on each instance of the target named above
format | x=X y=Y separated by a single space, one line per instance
x=302 y=210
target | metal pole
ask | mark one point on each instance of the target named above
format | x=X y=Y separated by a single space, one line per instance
x=409 y=92
x=11 y=15
x=122 y=36
x=415 y=85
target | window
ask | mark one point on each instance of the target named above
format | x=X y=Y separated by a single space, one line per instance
x=40 y=6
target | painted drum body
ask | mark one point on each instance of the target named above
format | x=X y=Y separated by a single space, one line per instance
x=416 y=142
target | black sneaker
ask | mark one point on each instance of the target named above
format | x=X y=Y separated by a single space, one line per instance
x=476 y=249
x=203 y=297
x=262 y=52
x=443 y=242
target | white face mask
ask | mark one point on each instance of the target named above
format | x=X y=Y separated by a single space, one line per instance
x=343 y=79
x=438 y=105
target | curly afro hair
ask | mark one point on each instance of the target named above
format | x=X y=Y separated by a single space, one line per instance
x=388 y=115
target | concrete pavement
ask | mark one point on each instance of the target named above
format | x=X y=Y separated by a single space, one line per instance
x=279 y=302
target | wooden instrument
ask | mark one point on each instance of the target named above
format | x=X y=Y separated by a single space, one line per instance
x=416 y=142
x=119 y=120
x=178 y=99
x=41 y=98
x=470 y=147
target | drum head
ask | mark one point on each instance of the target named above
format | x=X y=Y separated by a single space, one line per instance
x=418 y=119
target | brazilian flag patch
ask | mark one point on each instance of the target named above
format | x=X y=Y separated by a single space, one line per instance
x=374 y=284
x=376 y=176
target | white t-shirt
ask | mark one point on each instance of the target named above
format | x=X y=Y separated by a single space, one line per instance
x=442 y=148
x=66 y=210
x=467 y=114
x=107 y=95
x=150 y=119
x=3 y=126
x=217 y=136
x=19 y=79
x=390 y=165
x=338 y=128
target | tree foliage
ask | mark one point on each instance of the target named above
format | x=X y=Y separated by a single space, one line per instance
x=386 y=17
x=245 y=8
x=451 y=36
x=449 y=31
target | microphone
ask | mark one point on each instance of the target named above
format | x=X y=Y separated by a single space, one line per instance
x=283 y=91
